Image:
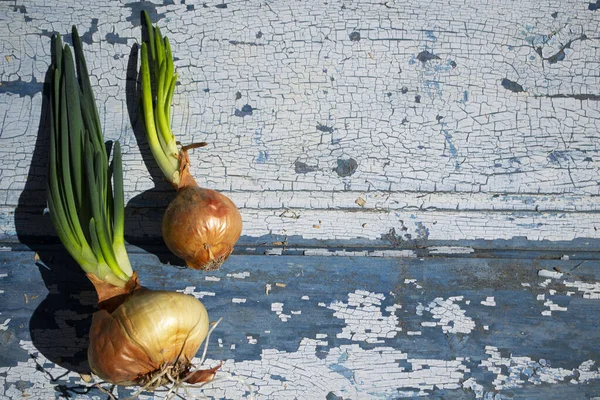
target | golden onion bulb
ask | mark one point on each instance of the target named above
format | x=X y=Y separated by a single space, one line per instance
x=201 y=226
x=151 y=330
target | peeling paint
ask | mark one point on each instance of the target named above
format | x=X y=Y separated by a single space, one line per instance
x=4 y=325
x=239 y=275
x=341 y=371
x=364 y=319
x=197 y=294
x=277 y=308
x=360 y=253
x=450 y=250
x=521 y=370
x=590 y=290
x=549 y=274
x=450 y=317
x=489 y=302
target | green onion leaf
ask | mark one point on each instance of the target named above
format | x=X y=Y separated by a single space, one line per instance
x=80 y=195
x=158 y=85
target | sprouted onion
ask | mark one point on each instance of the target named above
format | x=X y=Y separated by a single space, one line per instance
x=138 y=336
x=201 y=225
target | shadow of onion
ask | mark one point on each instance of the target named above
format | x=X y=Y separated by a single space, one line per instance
x=59 y=326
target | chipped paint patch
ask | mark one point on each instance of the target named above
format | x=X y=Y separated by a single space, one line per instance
x=212 y=278
x=477 y=389
x=274 y=252
x=364 y=318
x=410 y=281
x=342 y=371
x=4 y=325
x=277 y=308
x=451 y=250
x=251 y=339
x=3 y=276
x=309 y=373
x=489 y=302
x=199 y=295
x=38 y=379
x=549 y=274
x=237 y=300
x=239 y=275
x=513 y=372
x=590 y=290
x=361 y=253
x=450 y=317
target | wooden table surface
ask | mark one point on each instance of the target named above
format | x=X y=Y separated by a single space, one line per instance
x=418 y=183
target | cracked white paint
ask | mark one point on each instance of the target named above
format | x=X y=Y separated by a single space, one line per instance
x=251 y=339
x=451 y=250
x=477 y=389
x=588 y=290
x=301 y=374
x=239 y=275
x=549 y=274
x=553 y=306
x=489 y=301
x=4 y=325
x=448 y=315
x=274 y=252
x=521 y=370
x=545 y=283
x=361 y=253
x=443 y=150
x=591 y=290
x=3 y=276
x=364 y=318
x=38 y=381
x=277 y=308
x=197 y=294
x=409 y=281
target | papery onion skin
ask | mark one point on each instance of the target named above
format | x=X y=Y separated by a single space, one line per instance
x=149 y=330
x=201 y=226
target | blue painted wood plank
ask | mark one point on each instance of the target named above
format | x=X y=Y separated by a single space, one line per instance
x=362 y=327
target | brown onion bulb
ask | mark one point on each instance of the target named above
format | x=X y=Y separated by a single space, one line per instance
x=201 y=226
x=149 y=331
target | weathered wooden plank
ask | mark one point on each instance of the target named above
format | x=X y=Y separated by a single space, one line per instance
x=475 y=108
x=304 y=327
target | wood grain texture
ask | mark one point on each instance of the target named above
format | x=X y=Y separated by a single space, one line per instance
x=393 y=111
x=311 y=327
